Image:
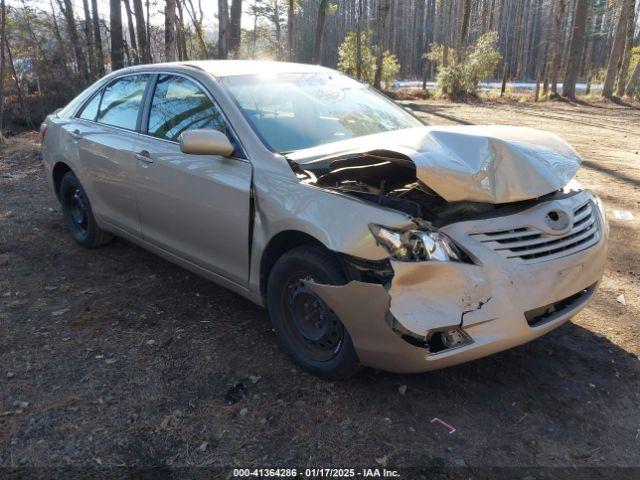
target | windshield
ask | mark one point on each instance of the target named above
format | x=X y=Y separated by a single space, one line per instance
x=302 y=110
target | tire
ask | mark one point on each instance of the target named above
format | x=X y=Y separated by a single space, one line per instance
x=307 y=329
x=78 y=215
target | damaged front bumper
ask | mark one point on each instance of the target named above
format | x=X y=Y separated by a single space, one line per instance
x=527 y=279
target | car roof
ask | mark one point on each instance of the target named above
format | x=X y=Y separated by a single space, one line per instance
x=228 y=68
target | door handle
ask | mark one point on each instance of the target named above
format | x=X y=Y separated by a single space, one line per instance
x=144 y=156
x=76 y=134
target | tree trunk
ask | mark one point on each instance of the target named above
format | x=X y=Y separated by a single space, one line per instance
x=615 y=57
x=464 y=29
x=143 y=46
x=555 y=56
x=117 y=40
x=276 y=24
x=320 y=20
x=170 y=30
x=181 y=36
x=484 y=17
x=3 y=41
x=135 y=58
x=89 y=38
x=148 y=28
x=447 y=35
x=97 y=38
x=623 y=72
x=359 y=41
x=81 y=62
x=577 y=41
x=290 y=22
x=223 y=29
x=383 y=10
x=235 y=26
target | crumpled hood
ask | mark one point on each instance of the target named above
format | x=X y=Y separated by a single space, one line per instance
x=491 y=164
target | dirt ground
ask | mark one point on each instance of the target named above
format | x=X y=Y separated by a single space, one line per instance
x=114 y=357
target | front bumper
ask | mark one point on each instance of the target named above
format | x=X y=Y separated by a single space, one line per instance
x=497 y=301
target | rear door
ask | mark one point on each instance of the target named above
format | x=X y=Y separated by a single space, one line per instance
x=105 y=132
x=194 y=206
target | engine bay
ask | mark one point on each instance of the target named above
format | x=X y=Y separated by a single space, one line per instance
x=389 y=179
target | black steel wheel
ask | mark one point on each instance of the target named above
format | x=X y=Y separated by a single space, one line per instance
x=307 y=328
x=310 y=321
x=78 y=215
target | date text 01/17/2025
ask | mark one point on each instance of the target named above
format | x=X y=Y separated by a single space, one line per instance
x=314 y=473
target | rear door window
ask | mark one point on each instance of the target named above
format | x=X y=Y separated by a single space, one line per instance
x=179 y=105
x=121 y=102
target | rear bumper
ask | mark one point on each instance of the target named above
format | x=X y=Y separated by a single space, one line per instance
x=496 y=302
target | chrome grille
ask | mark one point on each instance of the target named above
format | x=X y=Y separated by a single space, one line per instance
x=530 y=244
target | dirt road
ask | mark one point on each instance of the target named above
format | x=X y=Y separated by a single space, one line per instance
x=115 y=357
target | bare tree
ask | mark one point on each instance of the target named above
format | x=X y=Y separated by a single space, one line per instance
x=445 y=41
x=290 y=20
x=141 y=32
x=615 y=57
x=623 y=71
x=97 y=38
x=170 y=30
x=275 y=18
x=577 y=41
x=196 y=19
x=3 y=41
x=235 y=26
x=59 y=41
x=359 y=41
x=383 y=11
x=484 y=17
x=181 y=33
x=223 y=28
x=132 y=33
x=117 y=40
x=465 y=6
x=88 y=36
x=148 y=28
x=560 y=7
x=66 y=7
x=320 y=21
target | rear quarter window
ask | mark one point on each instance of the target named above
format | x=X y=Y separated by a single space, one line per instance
x=90 y=110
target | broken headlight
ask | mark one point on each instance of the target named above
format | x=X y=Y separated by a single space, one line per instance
x=417 y=245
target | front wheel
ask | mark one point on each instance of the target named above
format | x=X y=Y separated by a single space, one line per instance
x=308 y=330
x=78 y=215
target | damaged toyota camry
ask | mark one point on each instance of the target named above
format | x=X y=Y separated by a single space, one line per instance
x=373 y=239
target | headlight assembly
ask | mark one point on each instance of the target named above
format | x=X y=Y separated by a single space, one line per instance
x=417 y=245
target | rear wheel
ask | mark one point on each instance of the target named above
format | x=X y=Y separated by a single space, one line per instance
x=78 y=215
x=306 y=327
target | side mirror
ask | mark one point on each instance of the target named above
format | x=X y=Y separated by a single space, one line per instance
x=205 y=142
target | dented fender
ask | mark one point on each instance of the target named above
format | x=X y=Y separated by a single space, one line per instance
x=423 y=296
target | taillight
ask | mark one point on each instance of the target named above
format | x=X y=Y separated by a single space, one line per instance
x=43 y=131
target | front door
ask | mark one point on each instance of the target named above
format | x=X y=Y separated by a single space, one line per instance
x=194 y=206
